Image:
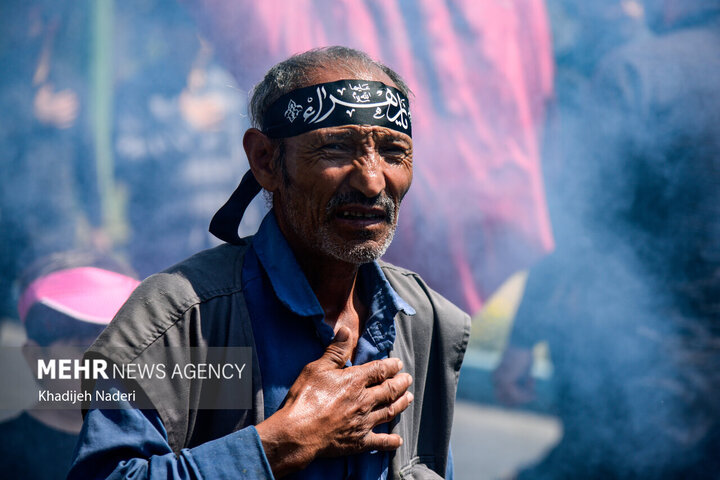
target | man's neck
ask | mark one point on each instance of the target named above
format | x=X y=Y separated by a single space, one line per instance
x=335 y=285
x=333 y=281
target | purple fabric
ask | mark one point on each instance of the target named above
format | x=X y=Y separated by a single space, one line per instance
x=87 y=294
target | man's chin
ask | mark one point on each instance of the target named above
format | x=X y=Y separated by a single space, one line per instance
x=357 y=252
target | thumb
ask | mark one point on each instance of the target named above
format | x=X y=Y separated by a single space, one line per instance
x=339 y=350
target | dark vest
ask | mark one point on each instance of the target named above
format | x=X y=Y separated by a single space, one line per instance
x=200 y=302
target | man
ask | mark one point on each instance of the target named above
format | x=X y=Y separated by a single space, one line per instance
x=66 y=300
x=331 y=327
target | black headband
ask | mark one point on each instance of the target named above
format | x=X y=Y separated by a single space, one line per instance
x=344 y=102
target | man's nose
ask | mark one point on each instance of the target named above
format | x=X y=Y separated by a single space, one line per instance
x=368 y=176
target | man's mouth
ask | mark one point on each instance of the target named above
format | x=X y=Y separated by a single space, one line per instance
x=361 y=215
x=356 y=212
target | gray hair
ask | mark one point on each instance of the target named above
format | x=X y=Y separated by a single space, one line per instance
x=296 y=72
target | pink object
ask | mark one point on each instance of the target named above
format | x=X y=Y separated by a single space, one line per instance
x=482 y=73
x=87 y=294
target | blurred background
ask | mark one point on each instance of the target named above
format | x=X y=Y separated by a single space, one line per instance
x=566 y=191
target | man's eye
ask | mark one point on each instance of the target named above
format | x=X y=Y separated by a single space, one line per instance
x=393 y=153
x=335 y=147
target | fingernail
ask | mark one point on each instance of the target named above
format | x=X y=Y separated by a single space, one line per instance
x=399 y=364
x=410 y=396
x=401 y=441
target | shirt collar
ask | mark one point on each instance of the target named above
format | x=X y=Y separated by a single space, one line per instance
x=381 y=293
x=292 y=288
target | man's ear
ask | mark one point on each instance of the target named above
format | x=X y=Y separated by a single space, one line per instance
x=260 y=152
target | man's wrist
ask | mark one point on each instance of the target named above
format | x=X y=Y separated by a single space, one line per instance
x=286 y=449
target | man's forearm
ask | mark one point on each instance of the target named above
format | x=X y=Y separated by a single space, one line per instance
x=132 y=443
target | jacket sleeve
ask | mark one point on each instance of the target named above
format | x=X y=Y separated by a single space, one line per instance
x=126 y=442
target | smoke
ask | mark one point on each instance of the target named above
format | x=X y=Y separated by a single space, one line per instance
x=629 y=300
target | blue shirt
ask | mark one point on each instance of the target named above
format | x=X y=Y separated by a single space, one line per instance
x=289 y=330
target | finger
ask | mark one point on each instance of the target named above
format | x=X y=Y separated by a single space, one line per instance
x=390 y=390
x=378 y=371
x=339 y=350
x=385 y=414
x=382 y=441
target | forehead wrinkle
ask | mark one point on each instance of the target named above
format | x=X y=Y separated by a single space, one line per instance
x=362 y=134
x=369 y=131
x=385 y=136
x=337 y=135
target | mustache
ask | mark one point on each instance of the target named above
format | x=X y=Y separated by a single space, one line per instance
x=382 y=200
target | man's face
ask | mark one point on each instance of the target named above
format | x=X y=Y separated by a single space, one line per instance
x=342 y=190
x=340 y=187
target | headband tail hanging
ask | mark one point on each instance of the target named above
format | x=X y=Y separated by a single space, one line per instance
x=225 y=223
